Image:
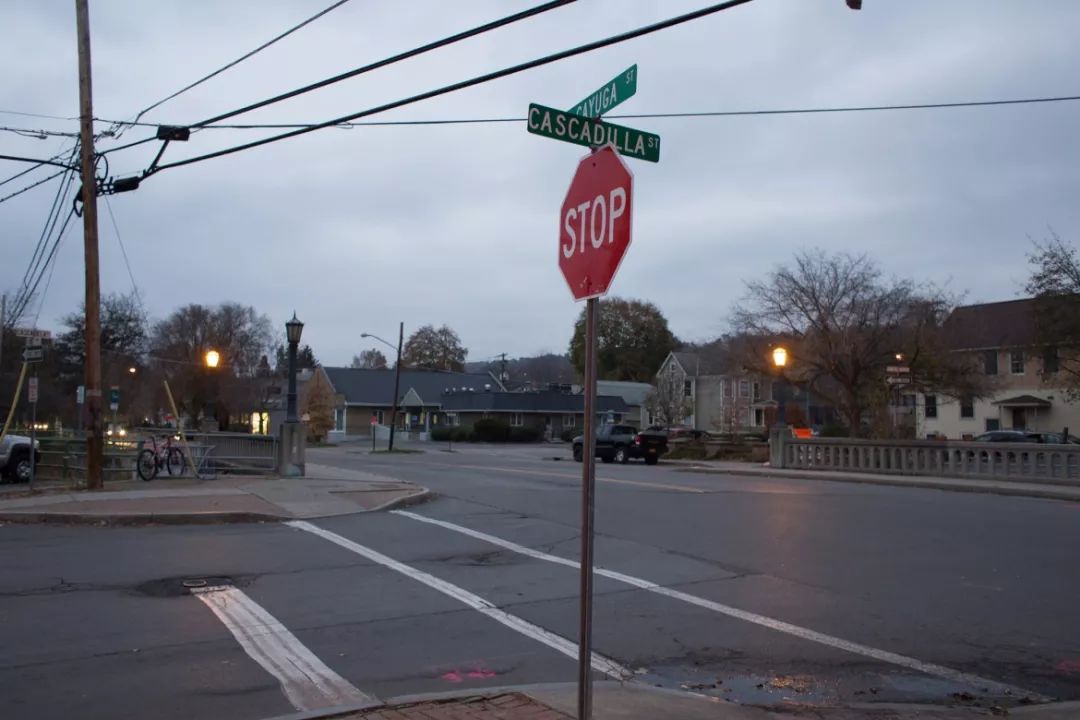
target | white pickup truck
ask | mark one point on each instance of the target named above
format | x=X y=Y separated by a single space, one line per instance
x=15 y=458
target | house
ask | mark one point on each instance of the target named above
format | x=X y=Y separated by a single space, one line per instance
x=709 y=397
x=634 y=394
x=551 y=412
x=365 y=398
x=1028 y=393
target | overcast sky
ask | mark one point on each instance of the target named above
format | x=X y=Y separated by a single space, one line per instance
x=359 y=228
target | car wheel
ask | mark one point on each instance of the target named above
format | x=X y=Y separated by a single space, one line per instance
x=621 y=456
x=577 y=453
x=21 y=468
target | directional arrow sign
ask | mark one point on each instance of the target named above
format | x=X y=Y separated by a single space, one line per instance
x=619 y=90
x=580 y=130
x=33 y=354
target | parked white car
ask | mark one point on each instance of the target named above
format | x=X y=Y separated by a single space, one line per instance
x=15 y=458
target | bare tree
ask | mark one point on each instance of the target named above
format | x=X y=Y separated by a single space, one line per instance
x=844 y=323
x=371 y=359
x=667 y=403
x=1055 y=284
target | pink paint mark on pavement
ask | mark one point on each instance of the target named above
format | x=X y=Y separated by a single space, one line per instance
x=453 y=676
x=1068 y=666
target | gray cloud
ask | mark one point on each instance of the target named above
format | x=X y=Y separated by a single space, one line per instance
x=359 y=228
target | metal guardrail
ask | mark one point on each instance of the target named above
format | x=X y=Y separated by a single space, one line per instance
x=983 y=460
x=236 y=451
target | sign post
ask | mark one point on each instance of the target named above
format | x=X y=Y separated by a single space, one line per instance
x=80 y=398
x=594 y=233
x=32 y=396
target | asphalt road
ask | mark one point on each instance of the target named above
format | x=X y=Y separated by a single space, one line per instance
x=759 y=590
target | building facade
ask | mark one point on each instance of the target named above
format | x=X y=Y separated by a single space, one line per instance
x=714 y=399
x=1027 y=390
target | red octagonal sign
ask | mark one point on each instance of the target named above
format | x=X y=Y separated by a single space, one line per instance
x=594 y=224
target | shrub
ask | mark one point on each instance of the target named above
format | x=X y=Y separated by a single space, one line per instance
x=569 y=435
x=525 y=434
x=450 y=434
x=490 y=430
x=834 y=430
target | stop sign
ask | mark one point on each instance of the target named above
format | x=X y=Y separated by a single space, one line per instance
x=594 y=223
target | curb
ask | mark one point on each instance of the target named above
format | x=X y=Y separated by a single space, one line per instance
x=419 y=497
x=886 y=480
x=208 y=518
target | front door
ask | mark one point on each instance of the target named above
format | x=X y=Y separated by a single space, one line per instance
x=1019 y=418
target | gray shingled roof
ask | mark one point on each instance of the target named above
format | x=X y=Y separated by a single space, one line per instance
x=528 y=402
x=992 y=325
x=634 y=393
x=362 y=386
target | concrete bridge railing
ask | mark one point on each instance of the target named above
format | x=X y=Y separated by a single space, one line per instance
x=1013 y=461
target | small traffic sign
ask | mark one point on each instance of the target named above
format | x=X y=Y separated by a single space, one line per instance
x=33 y=333
x=617 y=91
x=33 y=354
x=897 y=369
x=32 y=390
x=580 y=130
x=80 y=395
x=114 y=398
x=899 y=380
x=595 y=223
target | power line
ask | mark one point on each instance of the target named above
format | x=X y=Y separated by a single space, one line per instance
x=488 y=77
x=123 y=251
x=639 y=116
x=242 y=58
x=30 y=187
x=449 y=40
x=42 y=116
x=25 y=299
x=36 y=134
x=37 y=161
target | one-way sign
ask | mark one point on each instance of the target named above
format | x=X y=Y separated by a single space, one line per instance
x=33 y=354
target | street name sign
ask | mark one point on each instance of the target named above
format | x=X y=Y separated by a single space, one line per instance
x=595 y=223
x=32 y=333
x=897 y=369
x=617 y=91
x=589 y=132
x=898 y=380
x=114 y=398
x=33 y=354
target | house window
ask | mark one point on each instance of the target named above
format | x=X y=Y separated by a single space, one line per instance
x=990 y=362
x=757 y=391
x=725 y=387
x=744 y=388
x=931 y=406
x=452 y=419
x=688 y=388
x=992 y=424
x=967 y=408
x=671 y=370
x=339 y=418
x=759 y=417
x=379 y=416
x=1051 y=363
x=1016 y=362
x=517 y=419
x=568 y=421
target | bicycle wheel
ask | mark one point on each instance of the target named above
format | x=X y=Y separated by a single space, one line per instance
x=147 y=465
x=175 y=462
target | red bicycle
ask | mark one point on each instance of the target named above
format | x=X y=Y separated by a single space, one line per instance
x=160 y=455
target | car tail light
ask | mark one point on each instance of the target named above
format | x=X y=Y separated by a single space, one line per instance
x=637 y=439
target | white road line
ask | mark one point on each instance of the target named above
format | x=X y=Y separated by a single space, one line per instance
x=558 y=642
x=771 y=623
x=306 y=681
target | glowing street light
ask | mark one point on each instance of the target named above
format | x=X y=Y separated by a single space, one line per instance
x=779 y=357
x=213 y=357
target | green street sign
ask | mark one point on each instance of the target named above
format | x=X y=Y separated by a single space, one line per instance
x=619 y=90
x=580 y=130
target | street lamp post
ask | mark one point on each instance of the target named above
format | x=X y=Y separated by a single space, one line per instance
x=291 y=459
x=779 y=431
x=397 y=379
x=212 y=359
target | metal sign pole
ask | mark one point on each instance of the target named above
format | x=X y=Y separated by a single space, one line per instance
x=33 y=428
x=588 y=504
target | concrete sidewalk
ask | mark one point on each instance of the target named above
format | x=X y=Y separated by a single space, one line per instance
x=1034 y=489
x=324 y=492
x=617 y=701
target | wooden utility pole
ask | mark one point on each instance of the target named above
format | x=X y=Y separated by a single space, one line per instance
x=95 y=437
